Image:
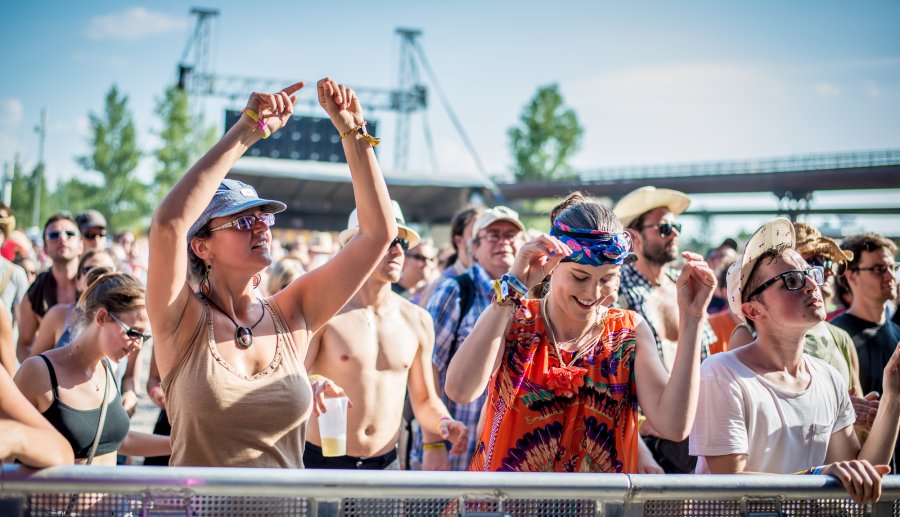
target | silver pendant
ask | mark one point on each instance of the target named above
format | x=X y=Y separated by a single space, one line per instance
x=243 y=337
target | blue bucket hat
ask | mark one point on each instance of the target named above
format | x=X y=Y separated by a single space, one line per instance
x=233 y=197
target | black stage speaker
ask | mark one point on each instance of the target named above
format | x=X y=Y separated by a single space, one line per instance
x=303 y=138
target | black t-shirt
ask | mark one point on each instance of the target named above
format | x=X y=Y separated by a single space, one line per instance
x=874 y=344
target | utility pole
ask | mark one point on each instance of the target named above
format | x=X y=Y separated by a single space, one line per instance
x=7 y=184
x=407 y=79
x=41 y=130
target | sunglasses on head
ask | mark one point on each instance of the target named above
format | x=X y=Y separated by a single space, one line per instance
x=95 y=235
x=131 y=333
x=404 y=243
x=665 y=229
x=793 y=280
x=246 y=222
x=58 y=234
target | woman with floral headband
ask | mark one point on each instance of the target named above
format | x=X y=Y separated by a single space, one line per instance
x=564 y=373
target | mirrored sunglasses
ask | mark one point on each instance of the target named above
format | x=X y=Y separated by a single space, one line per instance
x=246 y=222
x=58 y=234
x=404 y=243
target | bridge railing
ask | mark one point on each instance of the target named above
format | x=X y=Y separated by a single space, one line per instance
x=809 y=162
x=151 y=491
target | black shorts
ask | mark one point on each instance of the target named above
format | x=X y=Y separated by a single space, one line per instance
x=313 y=459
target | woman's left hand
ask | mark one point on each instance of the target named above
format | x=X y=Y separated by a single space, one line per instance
x=275 y=108
x=696 y=285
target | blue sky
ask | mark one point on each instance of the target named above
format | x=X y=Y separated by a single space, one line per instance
x=656 y=82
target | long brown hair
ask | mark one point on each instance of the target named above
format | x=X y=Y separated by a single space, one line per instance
x=115 y=291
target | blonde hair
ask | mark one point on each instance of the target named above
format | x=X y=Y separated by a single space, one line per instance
x=113 y=291
x=284 y=272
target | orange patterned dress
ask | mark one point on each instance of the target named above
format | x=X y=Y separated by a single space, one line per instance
x=540 y=417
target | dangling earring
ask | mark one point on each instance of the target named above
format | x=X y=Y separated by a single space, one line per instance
x=204 y=282
x=257 y=278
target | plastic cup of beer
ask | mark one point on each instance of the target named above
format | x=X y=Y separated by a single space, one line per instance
x=333 y=427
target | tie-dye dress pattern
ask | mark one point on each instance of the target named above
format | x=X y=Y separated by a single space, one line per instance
x=541 y=417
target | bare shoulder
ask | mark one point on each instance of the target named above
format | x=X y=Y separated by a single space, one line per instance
x=33 y=378
x=416 y=316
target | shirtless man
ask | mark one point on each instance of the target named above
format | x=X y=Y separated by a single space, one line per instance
x=62 y=243
x=648 y=287
x=379 y=345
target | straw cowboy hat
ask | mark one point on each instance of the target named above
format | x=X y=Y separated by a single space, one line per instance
x=640 y=201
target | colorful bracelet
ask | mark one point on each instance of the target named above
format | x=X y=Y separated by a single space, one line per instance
x=315 y=377
x=516 y=284
x=435 y=446
x=360 y=130
x=259 y=122
x=812 y=471
x=505 y=294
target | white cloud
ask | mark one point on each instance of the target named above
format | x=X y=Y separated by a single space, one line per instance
x=872 y=89
x=12 y=112
x=133 y=24
x=827 y=89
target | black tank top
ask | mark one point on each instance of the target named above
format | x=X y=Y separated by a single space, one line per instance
x=79 y=426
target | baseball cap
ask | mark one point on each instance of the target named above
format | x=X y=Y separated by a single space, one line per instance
x=640 y=201
x=405 y=231
x=90 y=219
x=230 y=198
x=497 y=214
x=775 y=233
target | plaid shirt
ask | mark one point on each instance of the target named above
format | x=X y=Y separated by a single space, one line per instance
x=444 y=307
x=634 y=291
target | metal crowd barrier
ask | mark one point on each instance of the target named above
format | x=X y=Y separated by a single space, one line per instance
x=168 y=491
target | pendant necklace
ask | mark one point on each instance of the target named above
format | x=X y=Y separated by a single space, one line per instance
x=243 y=336
x=89 y=375
x=582 y=345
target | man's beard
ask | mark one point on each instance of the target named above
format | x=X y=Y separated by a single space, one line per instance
x=658 y=253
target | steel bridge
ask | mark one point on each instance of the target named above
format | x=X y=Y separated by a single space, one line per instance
x=792 y=179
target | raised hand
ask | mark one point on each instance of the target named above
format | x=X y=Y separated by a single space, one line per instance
x=274 y=108
x=537 y=258
x=340 y=103
x=457 y=433
x=866 y=408
x=695 y=285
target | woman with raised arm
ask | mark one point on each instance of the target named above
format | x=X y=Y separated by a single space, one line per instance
x=237 y=393
x=565 y=373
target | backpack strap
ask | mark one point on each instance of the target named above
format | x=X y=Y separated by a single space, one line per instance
x=466 y=300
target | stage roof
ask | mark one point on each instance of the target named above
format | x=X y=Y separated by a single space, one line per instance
x=319 y=195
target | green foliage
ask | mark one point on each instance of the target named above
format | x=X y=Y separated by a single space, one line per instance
x=183 y=138
x=118 y=194
x=22 y=194
x=548 y=136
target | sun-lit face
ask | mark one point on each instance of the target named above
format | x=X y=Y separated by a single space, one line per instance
x=62 y=241
x=777 y=306
x=496 y=247
x=115 y=341
x=658 y=238
x=243 y=251
x=579 y=290
x=873 y=276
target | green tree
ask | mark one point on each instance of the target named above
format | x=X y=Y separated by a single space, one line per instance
x=22 y=194
x=118 y=194
x=548 y=135
x=183 y=138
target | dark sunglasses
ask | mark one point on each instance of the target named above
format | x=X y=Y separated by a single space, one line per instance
x=94 y=235
x=793 y=280
x=246 y=222
x=58 y=234
x=420 y=257
x=404 y=244
x=132 y=334
x=665 y=229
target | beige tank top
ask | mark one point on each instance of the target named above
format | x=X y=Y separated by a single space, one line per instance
x=221 y=418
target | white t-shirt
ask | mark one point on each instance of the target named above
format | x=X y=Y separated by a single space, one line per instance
x=781 y=431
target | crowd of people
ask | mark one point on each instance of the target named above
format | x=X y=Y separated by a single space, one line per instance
x=593 y=344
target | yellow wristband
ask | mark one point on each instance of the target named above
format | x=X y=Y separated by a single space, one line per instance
x=315 y=377
x=436 y=446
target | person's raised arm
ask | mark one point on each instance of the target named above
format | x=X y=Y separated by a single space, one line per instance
x=167 y=289
x=317 y=296
x=25 y=435
x=670 y=404
x=479 y=355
